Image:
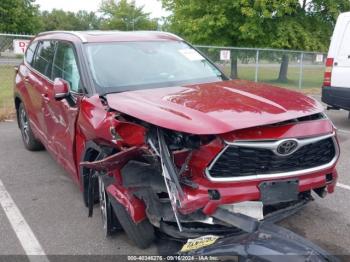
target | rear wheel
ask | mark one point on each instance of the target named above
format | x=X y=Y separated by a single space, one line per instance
x=30 y=142
x=142 y=234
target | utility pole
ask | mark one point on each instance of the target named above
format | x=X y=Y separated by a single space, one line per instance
x=133 y=14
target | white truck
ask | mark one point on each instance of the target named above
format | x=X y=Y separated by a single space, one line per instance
x=336 y=85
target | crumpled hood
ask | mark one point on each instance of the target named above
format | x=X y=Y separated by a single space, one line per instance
x=214 y=108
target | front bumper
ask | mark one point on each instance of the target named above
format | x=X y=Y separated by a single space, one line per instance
x=233 y=192
x=242 y=189
x=338 y=97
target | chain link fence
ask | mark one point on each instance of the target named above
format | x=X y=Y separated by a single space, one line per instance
x=291 y=69
x=286 y=68
x=11 y=54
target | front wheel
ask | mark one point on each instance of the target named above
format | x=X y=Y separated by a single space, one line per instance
x=30 y=142
x=141 y=234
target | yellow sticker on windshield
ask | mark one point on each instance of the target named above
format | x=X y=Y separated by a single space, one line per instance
x=197 y=243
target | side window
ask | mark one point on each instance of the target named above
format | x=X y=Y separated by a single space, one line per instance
x=30 y=52
x=65 y=66
x=43 y=57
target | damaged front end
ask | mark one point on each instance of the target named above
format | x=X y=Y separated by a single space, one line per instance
x=160 y=175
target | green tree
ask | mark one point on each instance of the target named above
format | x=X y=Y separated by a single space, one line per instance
x=288 y=24
x=19 y=16
x=125 y=16
x=62 y=20
x=88 y=20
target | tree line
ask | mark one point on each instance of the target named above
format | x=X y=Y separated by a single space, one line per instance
x=282 y=24
x=24 y=16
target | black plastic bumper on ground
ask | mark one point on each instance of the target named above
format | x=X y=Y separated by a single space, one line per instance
x=338 y=97
x=261 y=241
x=268 y=243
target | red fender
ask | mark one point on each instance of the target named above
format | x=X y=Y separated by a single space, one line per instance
x=134 y=206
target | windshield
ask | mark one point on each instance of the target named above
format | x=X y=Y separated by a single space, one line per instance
x=124 y=66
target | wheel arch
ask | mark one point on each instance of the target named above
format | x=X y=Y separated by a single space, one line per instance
x=117 y=193
x=89 y=153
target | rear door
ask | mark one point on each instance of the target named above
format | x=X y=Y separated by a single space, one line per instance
x=39 y=81
x=341 y=51
x=63 y=113
x=26 y=85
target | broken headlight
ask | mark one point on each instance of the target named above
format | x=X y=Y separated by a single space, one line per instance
x=178 y=141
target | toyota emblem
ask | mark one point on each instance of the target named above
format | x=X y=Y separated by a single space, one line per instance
x=287 y=147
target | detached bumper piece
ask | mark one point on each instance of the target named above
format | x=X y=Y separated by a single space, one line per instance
x=268 y=243
x=260 y=241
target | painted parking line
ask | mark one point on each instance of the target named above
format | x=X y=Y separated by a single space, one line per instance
x=25 y=235
x=344 y=131
x=343 y=186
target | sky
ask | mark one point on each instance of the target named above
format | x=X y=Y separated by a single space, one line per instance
x=154 y=7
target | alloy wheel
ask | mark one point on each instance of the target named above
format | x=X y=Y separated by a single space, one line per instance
x=24 y=126
x=103 y=203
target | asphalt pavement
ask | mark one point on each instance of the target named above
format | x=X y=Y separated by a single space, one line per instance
x=52 y=206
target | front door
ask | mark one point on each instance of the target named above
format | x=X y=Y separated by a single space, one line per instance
x=63 y=113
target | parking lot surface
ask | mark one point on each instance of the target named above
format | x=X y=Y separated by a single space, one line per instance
x=52 y=205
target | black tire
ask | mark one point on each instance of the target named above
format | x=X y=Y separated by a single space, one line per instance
x=141 y=234
x=29 y=140
x=85 y=182
x=91 y=154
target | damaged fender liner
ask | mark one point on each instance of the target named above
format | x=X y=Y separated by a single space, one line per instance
x=109 y=163
x=113 y=162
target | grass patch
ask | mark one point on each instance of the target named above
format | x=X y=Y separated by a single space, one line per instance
x=6 y=92
x=311 y=81
x=7 y=113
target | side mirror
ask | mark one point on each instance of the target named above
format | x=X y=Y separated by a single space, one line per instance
x=61 y=88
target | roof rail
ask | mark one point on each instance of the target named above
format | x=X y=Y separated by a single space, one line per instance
x=75 y=33
x=159 y=32
x=84 y=40
x=171 y=34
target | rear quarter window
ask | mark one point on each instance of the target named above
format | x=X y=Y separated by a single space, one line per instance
x=43 y=58
x=30 y=52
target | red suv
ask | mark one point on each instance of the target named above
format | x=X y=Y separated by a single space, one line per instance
x=149 y=127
